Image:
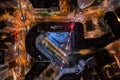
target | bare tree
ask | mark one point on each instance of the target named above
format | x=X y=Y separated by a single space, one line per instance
x=114 y=49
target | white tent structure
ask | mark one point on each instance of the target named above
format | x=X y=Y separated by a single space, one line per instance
x=85 y=3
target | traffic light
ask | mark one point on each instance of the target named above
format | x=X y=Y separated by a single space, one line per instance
x=1 y=56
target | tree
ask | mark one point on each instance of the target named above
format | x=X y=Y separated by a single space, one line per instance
x=65 y=6
x=115 y=51
x=89 y=25
x=49 y=73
